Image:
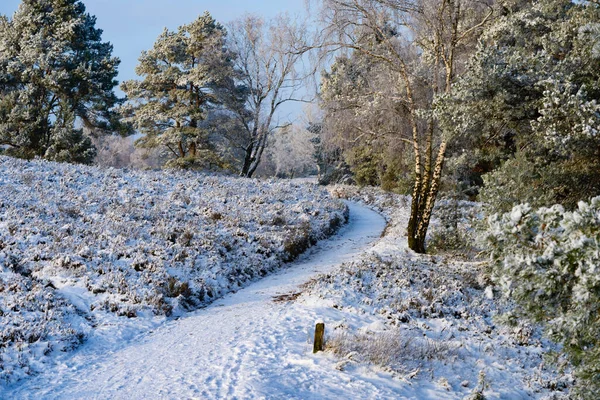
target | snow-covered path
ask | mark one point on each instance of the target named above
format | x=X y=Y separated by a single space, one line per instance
x=245 y=345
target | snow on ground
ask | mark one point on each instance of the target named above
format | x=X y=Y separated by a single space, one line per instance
x=398 y=325
x=430 y=321
x=251 y=344
x=102 y=254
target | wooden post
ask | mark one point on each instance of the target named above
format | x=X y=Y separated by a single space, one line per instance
x=319 y=336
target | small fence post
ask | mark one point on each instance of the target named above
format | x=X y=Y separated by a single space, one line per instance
x=319 y=337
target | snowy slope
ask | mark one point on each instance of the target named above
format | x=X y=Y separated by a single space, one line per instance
x=398 y=326
x=251 y=344
x=430 y=321
x=85 y=249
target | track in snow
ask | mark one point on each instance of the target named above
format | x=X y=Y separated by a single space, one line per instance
x=242 y=346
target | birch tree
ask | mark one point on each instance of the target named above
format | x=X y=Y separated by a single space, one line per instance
x=268 y=61
x=430 y=36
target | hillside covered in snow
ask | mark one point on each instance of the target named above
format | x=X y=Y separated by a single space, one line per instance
x=84 y=249
x=432 y=326
x=399 y=325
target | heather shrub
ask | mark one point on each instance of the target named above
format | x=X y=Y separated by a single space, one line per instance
x=453 y=231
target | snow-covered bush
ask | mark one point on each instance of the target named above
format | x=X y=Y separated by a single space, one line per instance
x=452 y=230
x=429 y=313
x=79 y=245
x=548 y=261
x=35 y=321
x=389 y=347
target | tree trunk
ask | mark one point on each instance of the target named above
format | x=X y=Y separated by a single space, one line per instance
x=257 y=156
x=192 y=148
x=255 y=161
x=413 y=221
x=181 y=149
x=417 y=227
x=247 y=160
x=425 y=190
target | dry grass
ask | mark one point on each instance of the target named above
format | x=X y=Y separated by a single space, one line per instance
x=390 y=347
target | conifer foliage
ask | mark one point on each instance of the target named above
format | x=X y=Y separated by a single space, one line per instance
x=546 y=260
x=526 y=108
x=182 y=77
x=56 y=77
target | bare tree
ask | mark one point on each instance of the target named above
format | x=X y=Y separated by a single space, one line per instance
x=113 y=151
x=362 y=118
x=270 y=74
x=292 y=151
x=421 y=42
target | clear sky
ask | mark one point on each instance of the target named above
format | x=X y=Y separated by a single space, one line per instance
x=133 y=25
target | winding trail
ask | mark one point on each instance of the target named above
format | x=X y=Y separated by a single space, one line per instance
x=245 y=345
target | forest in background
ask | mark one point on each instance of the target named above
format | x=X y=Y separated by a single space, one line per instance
x=493 y=101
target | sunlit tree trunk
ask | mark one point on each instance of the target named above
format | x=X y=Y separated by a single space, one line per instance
x=438 y=28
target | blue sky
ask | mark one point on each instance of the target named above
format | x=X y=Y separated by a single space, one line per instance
x=133 y=25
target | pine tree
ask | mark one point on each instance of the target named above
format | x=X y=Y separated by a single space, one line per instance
x=546 y=260
x=528 y=106
x=182 y=77
x=56 y=76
